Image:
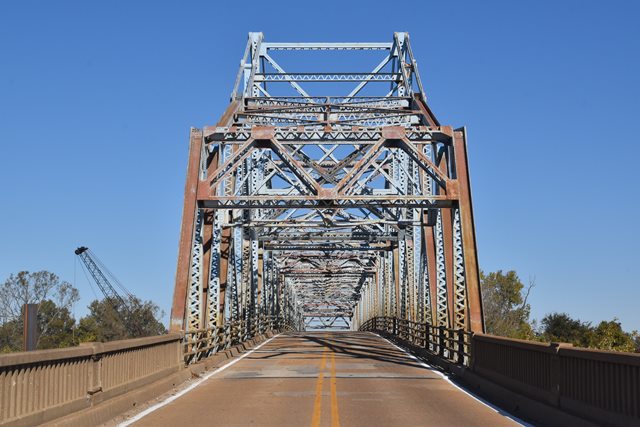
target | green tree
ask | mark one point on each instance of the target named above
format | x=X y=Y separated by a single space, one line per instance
x=56 y=329
x=54 y=297
x=103 y=323
x=560 y=327
x=506 y=311
x=56 y=326
x=108 y=320
x=608 y=335
x=33 y=288
x=10 y=336
x=144 y=318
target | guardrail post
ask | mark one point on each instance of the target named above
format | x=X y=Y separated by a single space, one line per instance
x=426 y=335
x=472 y=351
x=441 y=341
x=556 y=371
x=96 y=368
x=460 y=358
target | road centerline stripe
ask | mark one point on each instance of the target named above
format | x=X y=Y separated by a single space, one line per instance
x=317 y=406
x=335 y=416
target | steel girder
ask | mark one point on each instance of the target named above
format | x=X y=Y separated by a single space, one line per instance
x=327 y=209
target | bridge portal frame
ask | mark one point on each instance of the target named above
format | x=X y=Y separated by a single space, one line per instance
x=348 y=206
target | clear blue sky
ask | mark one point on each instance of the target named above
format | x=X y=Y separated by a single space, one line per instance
x=96 y=101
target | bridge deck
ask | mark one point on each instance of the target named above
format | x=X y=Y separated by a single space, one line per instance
x=348 y=378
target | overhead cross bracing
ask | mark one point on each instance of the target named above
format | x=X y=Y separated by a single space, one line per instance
x=327 y=193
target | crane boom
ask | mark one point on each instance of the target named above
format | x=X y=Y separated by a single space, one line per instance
x=101 y=279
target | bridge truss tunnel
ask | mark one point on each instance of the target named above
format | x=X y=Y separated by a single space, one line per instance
x=325 y=198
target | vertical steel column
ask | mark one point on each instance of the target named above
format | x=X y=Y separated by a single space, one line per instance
x=30 y=329
x=470 y=252
x=225 y=258
x=442 y=312
x=207 y=242
x=430 y=267
x=427 y=258
x=377 y=293
x=246 y=297
x=390 y=283
x=214 y=281
x=397 y=277
x=187 y=232
x=260 y=291
x=460 y=295
x=402 y=269
x=237 y=272
x=403 y=175
x=447 y=234
x=226 y=243
x=210 y=250
x=194 y=296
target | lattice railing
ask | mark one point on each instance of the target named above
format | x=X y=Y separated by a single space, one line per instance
x=451 y=345
x=202 y=343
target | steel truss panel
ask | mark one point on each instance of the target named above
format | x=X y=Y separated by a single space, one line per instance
x=326 y=198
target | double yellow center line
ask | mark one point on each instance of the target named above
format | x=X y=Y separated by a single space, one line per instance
x=317 y=406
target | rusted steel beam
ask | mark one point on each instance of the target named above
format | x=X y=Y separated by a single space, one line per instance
x=186 y=232
x=428 y=115
x=472 y=270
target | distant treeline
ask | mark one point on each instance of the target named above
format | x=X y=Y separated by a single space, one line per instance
x=106 y=321
x=507 y=313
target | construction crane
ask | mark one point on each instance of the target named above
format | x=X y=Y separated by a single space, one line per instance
x=101 y=276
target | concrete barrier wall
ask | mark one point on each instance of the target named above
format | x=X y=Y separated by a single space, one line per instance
x=601 y=386
x=551 y=383
x=40 y=386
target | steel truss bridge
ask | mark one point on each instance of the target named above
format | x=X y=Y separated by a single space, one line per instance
x=327 y=198
x=327 y=274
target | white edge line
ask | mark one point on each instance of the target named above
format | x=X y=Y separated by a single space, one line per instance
x=182 y=392
x=495 y=408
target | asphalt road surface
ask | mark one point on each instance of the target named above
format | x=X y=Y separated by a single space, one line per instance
x=326 y=379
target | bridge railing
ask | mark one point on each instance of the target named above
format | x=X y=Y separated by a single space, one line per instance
x=452 y=345
x=602 y=386
x=38 y=386
x=202 y=343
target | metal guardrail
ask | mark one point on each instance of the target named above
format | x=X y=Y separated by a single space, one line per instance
x=452 y=345
x=202 y=343
x=40 y=386
x=601 y=386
